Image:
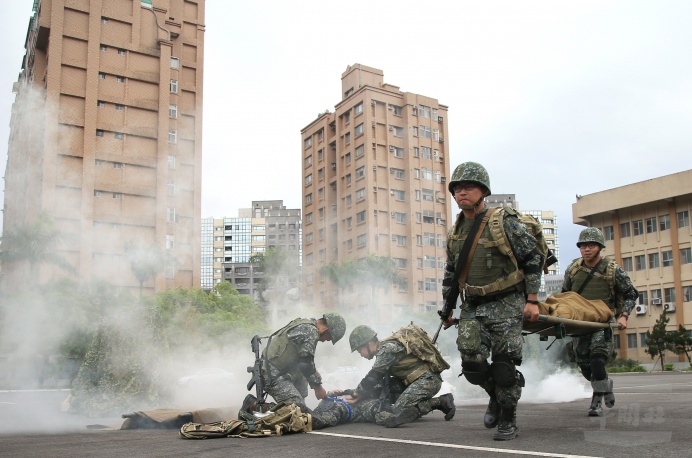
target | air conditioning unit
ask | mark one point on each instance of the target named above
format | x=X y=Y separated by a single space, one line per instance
x=668 y=307
x=333 y=165
x=442 y=139
x=391 y=128
x=391 y=148
x=374 y=124
x=440 y=119
x=640 y=309
x=373 y=102
x=393 y=214
x=656 y=301
x=443 y=179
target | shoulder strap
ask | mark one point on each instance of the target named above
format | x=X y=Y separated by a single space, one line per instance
x=589 y=277
x=469 y=246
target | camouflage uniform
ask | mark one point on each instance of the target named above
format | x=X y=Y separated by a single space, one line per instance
x=492 y=324
x=290 y=385
x=591 y=351
x=419 y=393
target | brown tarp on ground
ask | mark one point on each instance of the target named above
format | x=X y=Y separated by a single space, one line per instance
x=174 y=419
x=573 y=306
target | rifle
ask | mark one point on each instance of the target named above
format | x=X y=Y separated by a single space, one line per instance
x=256 y=372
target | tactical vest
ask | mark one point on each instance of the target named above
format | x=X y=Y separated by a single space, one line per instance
x=491 y=270
x=281 y=352
x=422 y=354
x=600 y=286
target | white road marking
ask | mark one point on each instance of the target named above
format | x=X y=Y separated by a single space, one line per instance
x=464 y=447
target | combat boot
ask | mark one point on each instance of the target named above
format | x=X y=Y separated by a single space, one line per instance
x=608 y=395
x=595 y=409
x=507 y=426
x=492 y=414
x=405 y=416
x=447 y=406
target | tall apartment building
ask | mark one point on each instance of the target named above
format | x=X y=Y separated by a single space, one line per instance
x=374 y=182
x=106 y=135
x=229 y=243
x=647 y=231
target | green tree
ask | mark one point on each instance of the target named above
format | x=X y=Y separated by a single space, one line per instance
x=145 y=261
x=34 y=243
x=658 y=340
x=682 y=342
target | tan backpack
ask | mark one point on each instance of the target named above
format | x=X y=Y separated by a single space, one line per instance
x=418 y=343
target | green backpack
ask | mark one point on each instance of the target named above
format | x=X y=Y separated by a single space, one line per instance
x=418 y=343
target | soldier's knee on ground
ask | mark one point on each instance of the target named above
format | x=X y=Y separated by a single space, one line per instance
x=475 y=372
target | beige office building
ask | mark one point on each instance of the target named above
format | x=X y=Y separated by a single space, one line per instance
x=374 y=182
x=106 y=136
x=647 y=230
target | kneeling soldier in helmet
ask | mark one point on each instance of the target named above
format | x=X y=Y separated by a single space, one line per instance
x=405 y=372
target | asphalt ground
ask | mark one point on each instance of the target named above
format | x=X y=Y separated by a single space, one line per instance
x=652 y=417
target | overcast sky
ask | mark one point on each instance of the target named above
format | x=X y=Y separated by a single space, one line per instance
x=555 y=98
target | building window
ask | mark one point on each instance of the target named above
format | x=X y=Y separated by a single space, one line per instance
x=117 y=195
x=121 y=52
x=424 y=111
x=170 y=215
x=360 y=195
x=308 y=199
x=172 y=136
x=348 y=179
x=415 y=151
x=347 y=138
x=118 y=135
x=175 y=62
x=358 y=109
x=664 y=222
x=349 y=244
x=627 y=264
x=117 y=165
x=428 y=216
x=398 y=173
x=308 y=180
x=631 y=340
x=170 y=188
x=643 y=341
x=669 y=295
x=687 y=293
x=608 y=233
x=361 y=240
x=360 y=217
x=119 y=107
x=667 y=258
x=349 y=222
x=347 y=159
x=100 y=104
x=685 y=255
x=397 y=110
x=99 y=133
x=683 y=218
x=638 y=227
x=347 y=200
x=308 y=161
x=170 y=241
x=400 y=240
x=415 y=131
x=399 y=195
x=651 y=225
x=398 y=152
x=424 y=131
x=428 y=195
x=429 y=238
x=654 y=261
x=398 y=131
x=640 y=262
x=656 y=296
x=103 y=48
x=400 y=217
x=308 y=239
x=616 y=341
x=119 y=79
x=97 y=193
x=426 y=174
x=625 y=230
x=644 y=297
x=104 y=20
x=173 y=111
x=171 y=162
x=431 y=284
x=359 y=130
x=320 y=174
x=360 y=172
x=425 y=152
x=308 y=218
x=360 y=150
x=174 y=87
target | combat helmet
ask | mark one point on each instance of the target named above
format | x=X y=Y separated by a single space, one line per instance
x=336 y=325
x=360 y=336
x=591 y=235
x=472 y=172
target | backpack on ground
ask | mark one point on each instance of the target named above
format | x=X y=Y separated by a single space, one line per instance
x=418 y=343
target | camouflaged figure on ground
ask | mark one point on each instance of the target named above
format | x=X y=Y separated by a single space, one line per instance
x=413 y=379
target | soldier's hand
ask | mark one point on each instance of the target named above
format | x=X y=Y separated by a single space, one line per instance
x=337 y=392
x=530 y=312
x=448 y=322
x=350 y=399
x=320 y=392
x=622 y=323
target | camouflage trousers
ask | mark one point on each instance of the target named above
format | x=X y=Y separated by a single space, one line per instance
x=418 y=394
x=481 y=336
x=332 y=411
x=583 y=348
x=283 y=388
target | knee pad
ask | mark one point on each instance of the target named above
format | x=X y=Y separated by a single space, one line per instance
x=475 y=372
x=504 y=371
x=598 y=370
x=586 y=372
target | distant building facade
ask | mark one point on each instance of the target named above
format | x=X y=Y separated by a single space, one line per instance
x=106 y=137
x=647 y=231
x=375 y=183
